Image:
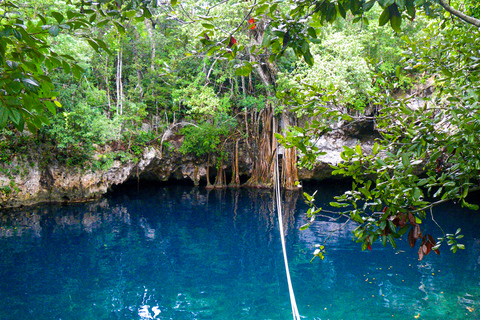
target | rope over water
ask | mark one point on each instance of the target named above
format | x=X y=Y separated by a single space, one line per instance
x=278 y=196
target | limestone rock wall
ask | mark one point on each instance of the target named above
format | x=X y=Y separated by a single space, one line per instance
x=29 y=181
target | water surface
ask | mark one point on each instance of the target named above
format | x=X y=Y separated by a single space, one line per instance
x=188 y=253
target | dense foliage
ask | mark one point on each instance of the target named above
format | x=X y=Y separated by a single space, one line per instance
x=117 y=76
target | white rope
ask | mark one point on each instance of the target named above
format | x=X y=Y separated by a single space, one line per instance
x=276 y=177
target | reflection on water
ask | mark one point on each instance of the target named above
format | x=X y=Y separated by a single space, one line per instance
x=189 y=253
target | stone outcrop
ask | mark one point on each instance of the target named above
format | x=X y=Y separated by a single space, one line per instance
x=332 y=144
x=24 y=183
x=33 y=180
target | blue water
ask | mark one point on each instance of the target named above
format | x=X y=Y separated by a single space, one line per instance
x=188 y=253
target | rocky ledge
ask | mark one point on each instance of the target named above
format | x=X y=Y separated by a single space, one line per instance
x=30 y=180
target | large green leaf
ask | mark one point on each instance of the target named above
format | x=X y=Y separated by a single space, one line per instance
x=384 y=17
x=58 y=16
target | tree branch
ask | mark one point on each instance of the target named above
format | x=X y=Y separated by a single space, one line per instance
x=431 y=205
x=459 y=14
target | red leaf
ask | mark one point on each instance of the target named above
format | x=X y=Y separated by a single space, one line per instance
x=395 y=220
x=411 y=239
x=252 y=27
x=428 y=247
x=231 y=42
x=411 y=218
x=251 y=21
x=417 y=233
x=430 y=243
x=420 y=253
x=403 y=221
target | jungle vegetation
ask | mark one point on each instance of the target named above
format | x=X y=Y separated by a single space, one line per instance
x=82 y=75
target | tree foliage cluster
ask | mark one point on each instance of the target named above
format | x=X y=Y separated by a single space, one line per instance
x=83 y=74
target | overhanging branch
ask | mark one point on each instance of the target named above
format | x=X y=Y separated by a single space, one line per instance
x=459 y=14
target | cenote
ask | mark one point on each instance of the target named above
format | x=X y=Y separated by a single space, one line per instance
x=180 y=252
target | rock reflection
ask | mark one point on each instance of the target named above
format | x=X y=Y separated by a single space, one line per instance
x=56 y=218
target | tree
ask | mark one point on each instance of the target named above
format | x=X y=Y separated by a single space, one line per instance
x=425 y=156
x=27 y=57
x=432 y=140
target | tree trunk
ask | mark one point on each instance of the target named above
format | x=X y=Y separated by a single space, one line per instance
x=263 y=139
x=209 y=185
x=289 y=160
x=262 y=173
x=107 y=86
x=119 y=82
x=235 y=183
x=149 y=27
x=220 y=182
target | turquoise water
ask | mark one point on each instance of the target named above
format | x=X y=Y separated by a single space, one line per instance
x=188 y=253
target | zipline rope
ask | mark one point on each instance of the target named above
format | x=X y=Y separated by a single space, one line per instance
x=278 y=196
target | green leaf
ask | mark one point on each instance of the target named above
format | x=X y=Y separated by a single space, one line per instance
x=358 y=150
x=273 y=8
x=260 y=10
x=411 y=8
x=417 y=193
x=130 y=13
x=51 y=107
x=17 y=34
x=368 y=5
x=341 y=10
x=120 y=28
x=15 y=115
x=31 y=127
x=244 y=69
x=30 y=84
x=102 y=23
x=58 y=16
x=338 y=205
x=66 y=67
x=405 y=160
x=92 y=19
x=395 y=22
x=392 y=241
x=312 y=33
x=173 y=3
x=308 y=57
x=13 y=65
x=384 y=240
x=305 y=227
x=3 y=115
x=93 y=44
x=384 y=17
x=365 y=192
x=400 y=4
x=70 y=15
x=208 y=25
